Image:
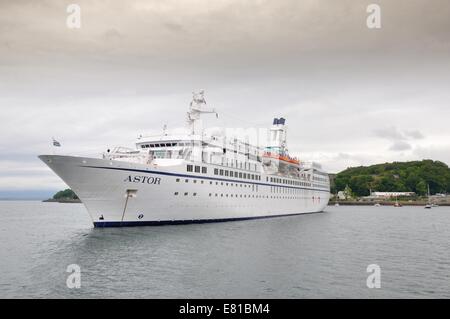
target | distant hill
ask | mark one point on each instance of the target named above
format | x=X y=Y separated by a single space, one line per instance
x=65 y=196
x=395 y=177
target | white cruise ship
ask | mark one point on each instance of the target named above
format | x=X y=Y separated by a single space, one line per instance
x=194 y=178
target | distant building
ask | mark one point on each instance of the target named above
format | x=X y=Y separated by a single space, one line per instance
x=391 y=194
x=341 y=195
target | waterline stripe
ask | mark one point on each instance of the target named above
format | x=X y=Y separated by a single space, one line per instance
x=190 y=221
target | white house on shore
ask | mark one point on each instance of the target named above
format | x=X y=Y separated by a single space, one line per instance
x=390 y=194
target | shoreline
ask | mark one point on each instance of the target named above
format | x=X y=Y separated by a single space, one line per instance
x=351 y=203
x=62 y=201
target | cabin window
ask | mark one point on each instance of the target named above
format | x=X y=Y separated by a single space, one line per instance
x=197 y=169
x=216 y=171
x=189 y=168
x=226 y=173
x=221 y=172
x=204 y=170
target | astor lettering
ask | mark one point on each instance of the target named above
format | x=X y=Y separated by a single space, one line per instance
x=143 y=180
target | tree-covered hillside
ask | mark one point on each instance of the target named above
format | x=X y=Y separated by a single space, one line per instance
x=65 y=194
x=396 y=177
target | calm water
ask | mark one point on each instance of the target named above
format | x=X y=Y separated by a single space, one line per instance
x=320 y=255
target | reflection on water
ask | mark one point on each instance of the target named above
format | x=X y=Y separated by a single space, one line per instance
x=320 y=255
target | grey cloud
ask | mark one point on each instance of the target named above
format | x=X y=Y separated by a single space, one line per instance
x=390 y=133
x=111 y=34
x=400 y=146
x=415 y=134
x=400 y=139
x=175 y=27
x=348 y=92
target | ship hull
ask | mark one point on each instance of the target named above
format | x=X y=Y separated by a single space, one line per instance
x=117 y=193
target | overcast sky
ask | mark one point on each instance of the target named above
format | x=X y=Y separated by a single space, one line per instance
x=351 y=95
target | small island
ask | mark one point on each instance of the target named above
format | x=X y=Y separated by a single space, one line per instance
x=65 y=196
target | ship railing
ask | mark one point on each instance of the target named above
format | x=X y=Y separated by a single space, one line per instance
x=128 y=155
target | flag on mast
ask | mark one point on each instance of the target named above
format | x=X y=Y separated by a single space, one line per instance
x=56 y=143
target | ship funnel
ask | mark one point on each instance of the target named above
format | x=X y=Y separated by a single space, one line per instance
x=275 y=121
x=282 y=121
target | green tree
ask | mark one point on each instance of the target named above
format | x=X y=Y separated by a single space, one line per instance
x=348 y=192
x=65 y=194
x=396 y=177
x=421 y=188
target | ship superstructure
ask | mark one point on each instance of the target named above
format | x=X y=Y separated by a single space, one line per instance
x=194 y=177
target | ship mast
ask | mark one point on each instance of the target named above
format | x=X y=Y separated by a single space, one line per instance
x=196 y=109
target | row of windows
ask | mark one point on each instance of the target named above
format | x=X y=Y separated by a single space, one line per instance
x=287 y=190
x=320 y=179
x=170 y=144
x=321 y=186
x=196 y=169
x=273 y=189
x=224 y=172
x=287 y=181
x=234 y=163
x=254 y=187
x=249 y=196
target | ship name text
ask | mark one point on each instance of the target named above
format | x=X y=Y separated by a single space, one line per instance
x=143 y=180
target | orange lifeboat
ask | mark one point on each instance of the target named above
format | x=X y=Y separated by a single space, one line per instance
x=283 y=158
